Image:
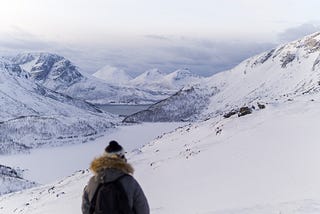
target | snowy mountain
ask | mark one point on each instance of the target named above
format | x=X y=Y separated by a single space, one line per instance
x=113 y=75
x=32 y=115
x=156 y=80
x=278 y=75
x=148 y=76
x=51 y=70
x=59 y=74
x=182 y=78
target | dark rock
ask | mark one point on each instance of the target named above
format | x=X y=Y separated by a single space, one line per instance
x=244 y=111
x=229 y=114
x=261 y=106
x=287 y=59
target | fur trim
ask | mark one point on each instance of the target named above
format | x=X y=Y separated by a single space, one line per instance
x=108 y=162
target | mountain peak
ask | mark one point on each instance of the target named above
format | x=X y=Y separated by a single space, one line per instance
x=181 y=74
x=153 y=73
x=51 y=70
x=112 y=75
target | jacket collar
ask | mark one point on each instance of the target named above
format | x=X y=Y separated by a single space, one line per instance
x=110 y=162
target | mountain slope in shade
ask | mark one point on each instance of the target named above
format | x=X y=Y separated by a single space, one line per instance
x=112 y=75
x=278 y=75
x=59 y=74
x=182 y=106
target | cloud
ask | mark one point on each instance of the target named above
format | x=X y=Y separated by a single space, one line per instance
x=298 y=32
x=157 y=37
x=16 y=40
x=202 y=56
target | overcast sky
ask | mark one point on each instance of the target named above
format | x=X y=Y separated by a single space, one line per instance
x=204 y=35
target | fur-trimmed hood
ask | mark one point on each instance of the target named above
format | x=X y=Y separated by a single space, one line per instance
x=110 y=162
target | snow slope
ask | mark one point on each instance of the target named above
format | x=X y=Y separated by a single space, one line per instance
x=11 y=180
x=59 y=74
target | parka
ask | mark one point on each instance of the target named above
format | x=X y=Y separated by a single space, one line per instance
x=109 y=168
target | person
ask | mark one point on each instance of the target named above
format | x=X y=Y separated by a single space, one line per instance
x=110 y=167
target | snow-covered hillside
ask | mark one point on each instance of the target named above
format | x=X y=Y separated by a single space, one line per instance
x=32 y=115
x=59 y=74
x=281 y=74
x=11 y=181
x=265 y=162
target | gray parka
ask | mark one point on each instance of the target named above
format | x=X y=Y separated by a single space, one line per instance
x=109 y=168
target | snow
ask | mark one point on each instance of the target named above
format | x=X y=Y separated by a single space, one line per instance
x=270 y=156
x=112 y=75
x=154 y=79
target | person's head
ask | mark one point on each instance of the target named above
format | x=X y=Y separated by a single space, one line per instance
x=115 y=150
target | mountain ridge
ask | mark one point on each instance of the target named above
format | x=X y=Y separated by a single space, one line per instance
x=61 y=75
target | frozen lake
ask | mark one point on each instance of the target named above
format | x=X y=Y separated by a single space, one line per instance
x=123 y=110
x=46 y=165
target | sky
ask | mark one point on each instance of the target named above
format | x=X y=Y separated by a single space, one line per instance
x=206 y=36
